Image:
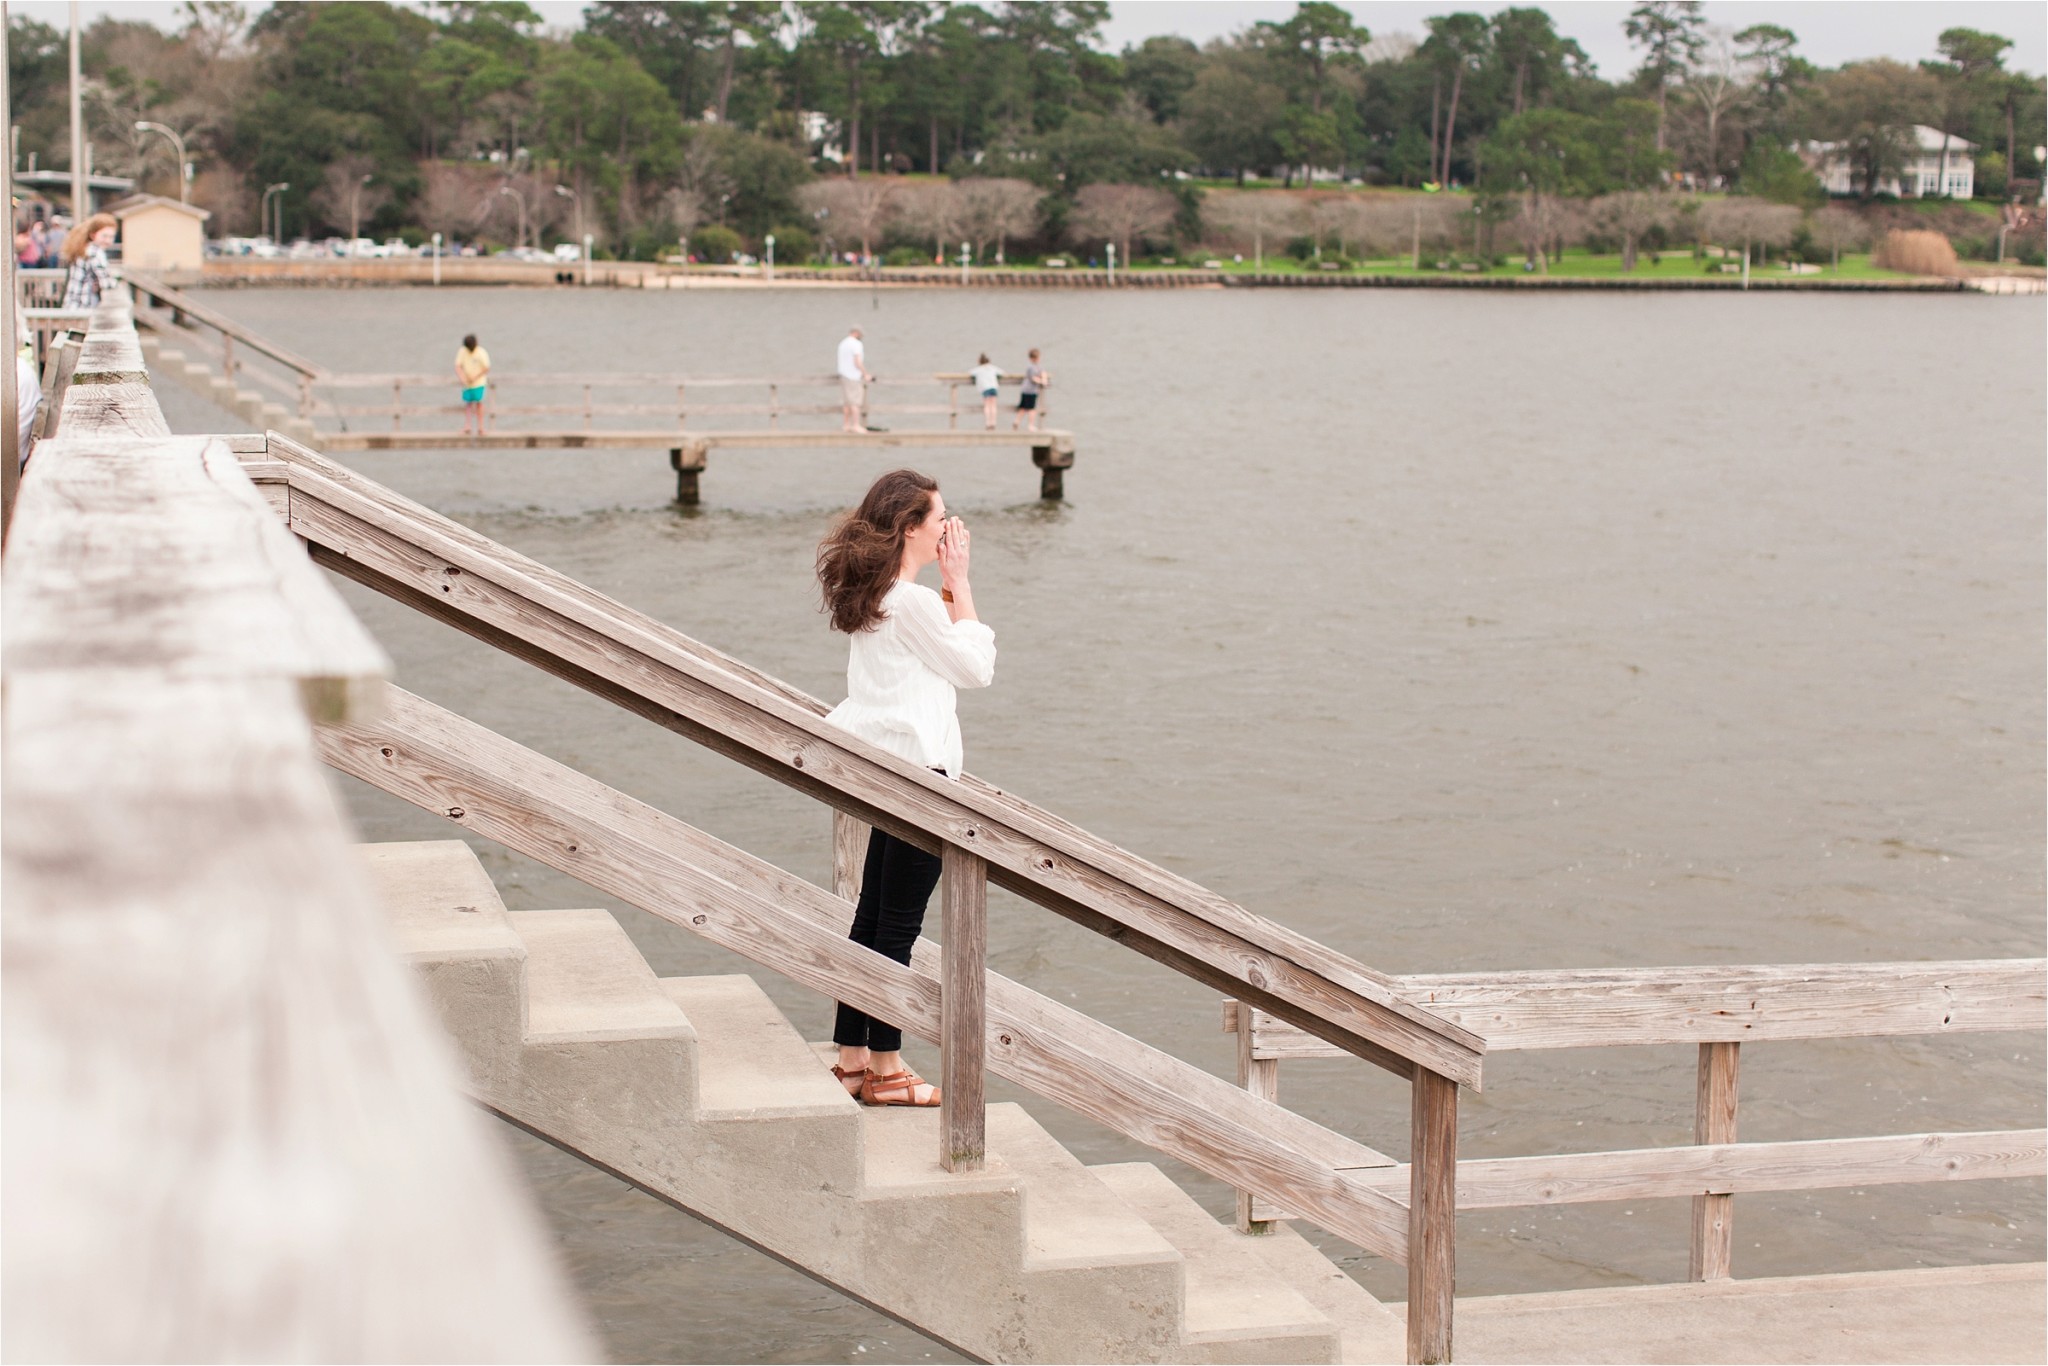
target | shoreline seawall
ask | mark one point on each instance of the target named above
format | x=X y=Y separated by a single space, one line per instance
x=416 y=271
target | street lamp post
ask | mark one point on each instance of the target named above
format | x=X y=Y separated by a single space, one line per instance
x=1111 y=248
x=437 y=258
x=520 y=200
x=577 y=200
x=966 y=255
x=769 y=243
x=355 y=213
x=279 y=190
x=178 y=144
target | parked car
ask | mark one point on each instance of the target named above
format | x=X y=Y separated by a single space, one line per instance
x=568 y=251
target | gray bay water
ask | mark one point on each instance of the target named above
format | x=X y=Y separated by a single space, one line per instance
x=1459 y=631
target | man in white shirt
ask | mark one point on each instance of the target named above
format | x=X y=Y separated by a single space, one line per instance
x=853 y=380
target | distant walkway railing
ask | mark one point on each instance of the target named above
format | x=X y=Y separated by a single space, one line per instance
x=593 y=401
x=545 y=410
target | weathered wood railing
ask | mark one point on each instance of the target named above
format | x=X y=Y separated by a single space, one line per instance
x=595 y=401
x=1721 y=1009
x=226 y=344
x=231 y=1126
x=41 y=288
x=564 y=819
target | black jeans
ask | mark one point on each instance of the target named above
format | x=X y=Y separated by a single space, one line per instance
x=895 y=884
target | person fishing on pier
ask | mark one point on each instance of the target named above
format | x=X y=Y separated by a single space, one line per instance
x=853 y=381
x=911 y=649
x=473 y=368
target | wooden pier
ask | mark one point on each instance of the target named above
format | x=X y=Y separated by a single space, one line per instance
x=559 y=411
x=205 y=1041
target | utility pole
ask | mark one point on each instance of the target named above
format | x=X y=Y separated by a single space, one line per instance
x=10 y=380
x=81 y=193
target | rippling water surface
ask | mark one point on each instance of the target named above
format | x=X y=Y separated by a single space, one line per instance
x=1458 y=631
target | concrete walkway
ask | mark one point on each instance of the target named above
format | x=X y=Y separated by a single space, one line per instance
x=1939 y=1314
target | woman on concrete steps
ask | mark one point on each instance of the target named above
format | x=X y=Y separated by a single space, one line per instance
x=911 y=649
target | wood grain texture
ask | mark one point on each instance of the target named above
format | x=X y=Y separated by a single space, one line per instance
x=1433 y=1181
x=1259 y=1077
x=232 y=1127
x=398 y=547
x=1713 y=1216
x=849 y=855
x=1630 y=1006
x=963 y=978
x=1731 y=1169
x=160 y=554
x=505 y=792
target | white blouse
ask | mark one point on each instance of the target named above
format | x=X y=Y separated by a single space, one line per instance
x=901 y=677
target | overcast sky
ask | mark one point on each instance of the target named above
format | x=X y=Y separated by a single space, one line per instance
x=1830 y=31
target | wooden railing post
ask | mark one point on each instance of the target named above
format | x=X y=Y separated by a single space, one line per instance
x=849 y=855
x=227 y=356
x=397 y=402
x=1432 y=1215
x=963 y=990
x=1261 y=1077
x=1713 y=1216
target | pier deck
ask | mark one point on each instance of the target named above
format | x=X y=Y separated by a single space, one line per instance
x=1932 y=1314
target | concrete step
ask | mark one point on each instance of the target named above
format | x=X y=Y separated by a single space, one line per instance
x=609 y=1062
x=452 y=927
x=700 y=1090
x=1238 y=1308
x=1370 y=1332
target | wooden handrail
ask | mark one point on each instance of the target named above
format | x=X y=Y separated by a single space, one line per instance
x=1719 y=1008
x=182 y=303
x=566 y=628
x=508 y=793
x=1612 y=1007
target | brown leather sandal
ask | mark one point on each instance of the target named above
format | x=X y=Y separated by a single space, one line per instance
x=845 y=1076
x=897 y=1088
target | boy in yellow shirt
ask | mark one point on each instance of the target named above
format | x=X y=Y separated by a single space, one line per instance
x=472 y=367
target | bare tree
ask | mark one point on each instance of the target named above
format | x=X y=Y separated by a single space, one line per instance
x=1752 y=222
x=451 y=201
x=1839 y=230
x=1254 y=215
x=1629 y=214
x=228 y=198
x=997 y=210
x=682 y=210
x=934 y=212
x=348 y=193
x=1715 y=89
x=859 y=209
x=1337 y=217
x=1545 y=223
x=1410 y=225
x=1122 y=214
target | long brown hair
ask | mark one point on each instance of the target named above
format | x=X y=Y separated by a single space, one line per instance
x=858 y=562
x=75 y=240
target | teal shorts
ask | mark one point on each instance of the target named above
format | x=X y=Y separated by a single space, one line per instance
x=475 y=395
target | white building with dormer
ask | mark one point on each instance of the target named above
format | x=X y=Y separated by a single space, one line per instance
x=1923 y=176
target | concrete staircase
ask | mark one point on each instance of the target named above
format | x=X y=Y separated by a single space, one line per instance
x=700 y=1090
x=168 y=362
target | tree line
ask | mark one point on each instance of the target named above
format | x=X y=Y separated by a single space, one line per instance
x=724 y=121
